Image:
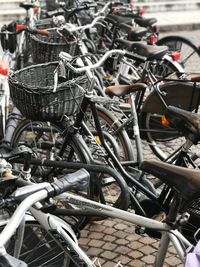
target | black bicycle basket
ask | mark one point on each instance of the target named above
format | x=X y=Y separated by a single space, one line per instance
x=47 y=48
x=32 y=92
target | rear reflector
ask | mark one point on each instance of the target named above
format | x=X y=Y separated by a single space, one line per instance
x=4 y=69
x=165 y=122
x=153 y=39
x=142 y=11
x=176 y=56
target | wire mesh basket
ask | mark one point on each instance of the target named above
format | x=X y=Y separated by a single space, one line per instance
x=32 y=92
x=47 y=48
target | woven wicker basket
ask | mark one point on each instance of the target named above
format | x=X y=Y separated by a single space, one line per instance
x=47 y=48
x=31 y=90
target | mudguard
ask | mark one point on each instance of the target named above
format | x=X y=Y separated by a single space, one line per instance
x=185 y=95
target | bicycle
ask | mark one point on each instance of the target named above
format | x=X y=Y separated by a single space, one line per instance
x=137 y=182
x=66 y=239
x=9 y=119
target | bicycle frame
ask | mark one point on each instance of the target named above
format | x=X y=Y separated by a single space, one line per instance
x=168 y=234
x=62 y=232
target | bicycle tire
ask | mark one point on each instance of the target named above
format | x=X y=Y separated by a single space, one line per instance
x=152 y=120
x=74 y=150
x=189 y=52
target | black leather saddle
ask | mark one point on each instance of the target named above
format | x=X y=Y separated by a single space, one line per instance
x=186 y=121
x=185 y=181
x=26 y=5
x=148 y=51
x=117 y=20
x=145 y=22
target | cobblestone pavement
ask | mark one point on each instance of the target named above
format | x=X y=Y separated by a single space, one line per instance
x=113 y=240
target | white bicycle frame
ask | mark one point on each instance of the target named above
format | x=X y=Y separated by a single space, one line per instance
x=50 y=222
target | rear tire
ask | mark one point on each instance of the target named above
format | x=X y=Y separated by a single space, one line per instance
x=189 y=52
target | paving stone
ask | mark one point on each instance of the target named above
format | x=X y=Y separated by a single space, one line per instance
x=109 y=223
x=133 y=237
x=122 y=250
x=96 y=243
x=94 y=251
x=108 y=264
x=147 y=249
x=109 y=238
x=121 y=241
x=109 y=246
x=97 y=227
x=173 y=260
x=136 y=263
x=109 y=255
x=84 y=241
x=109 y=231
x=147 y=240
x=85 y=233
x=122 y=259
x=130 y=230
x=135 y=245
x=149 y=259
x=120 y=226
x=120 y=234
x=135 y=254
x=96 y=235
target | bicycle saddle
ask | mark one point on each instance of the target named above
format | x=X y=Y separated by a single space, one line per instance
x=185 y=181
x=116 y=19
x=145 y=22
x=26 y=6
x=148 y=51
x=184 y=120
x=195 y=79
x=133 y=34
x=136 y=34
x=121 y=90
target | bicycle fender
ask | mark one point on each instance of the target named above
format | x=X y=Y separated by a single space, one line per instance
x=180 y=94
x=176 y=64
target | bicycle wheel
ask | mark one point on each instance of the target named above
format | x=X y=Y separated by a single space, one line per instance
x=163 y=138
x=189 y=52
x=45 y=139
x=39 y=248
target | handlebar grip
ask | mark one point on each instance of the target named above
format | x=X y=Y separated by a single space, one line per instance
x=20 y=27
x=78 y=180
x=42 y=32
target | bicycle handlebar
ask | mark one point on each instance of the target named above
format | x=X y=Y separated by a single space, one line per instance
x=31 y=194
x=102 y=11
x=21 y=28
x=66 y=58
x=76 y=181
x=81 y=28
